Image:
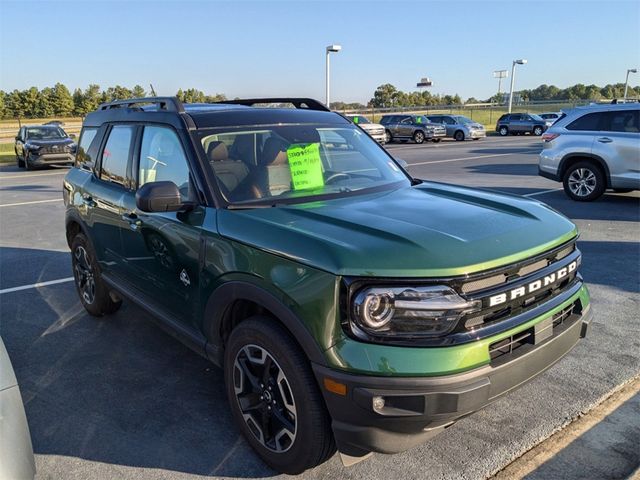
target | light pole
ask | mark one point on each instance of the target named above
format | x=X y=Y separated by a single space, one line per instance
x=522 y=61
x=330 y=49
x=626 y=82
x=500 y=74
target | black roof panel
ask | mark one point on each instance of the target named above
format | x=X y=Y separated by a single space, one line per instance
x=239 y=116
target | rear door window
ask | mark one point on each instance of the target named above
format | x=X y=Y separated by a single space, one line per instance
x=590 y=122
x=116 y=154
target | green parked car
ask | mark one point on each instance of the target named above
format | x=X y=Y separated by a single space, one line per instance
x=351 y=306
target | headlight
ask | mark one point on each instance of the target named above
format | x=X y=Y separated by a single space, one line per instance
x=428 y=311
x=31 y=146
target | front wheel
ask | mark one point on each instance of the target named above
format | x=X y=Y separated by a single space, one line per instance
x=19 y=162
x=537 y=131
x=503 y=131
x=27 y=165
x=458 y=136
x=388 y=138
x=93 y=292
x=274 y=397
x=584 y=182
x=418 y=137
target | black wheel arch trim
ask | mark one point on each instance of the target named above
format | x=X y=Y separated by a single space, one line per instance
x=567 y=159
x=71 y=216
x=225 y=295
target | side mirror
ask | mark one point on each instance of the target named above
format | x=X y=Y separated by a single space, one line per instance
x=159 y=197
x=72 y=135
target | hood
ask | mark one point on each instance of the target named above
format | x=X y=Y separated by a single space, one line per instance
x=430 y=230
x=370 y=126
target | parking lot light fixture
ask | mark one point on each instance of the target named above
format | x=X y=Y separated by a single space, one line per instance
x=329 y=50
x=521 y=61
x=626 y=81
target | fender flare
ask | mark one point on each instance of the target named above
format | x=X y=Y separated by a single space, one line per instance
x=225 y=295
x=72 y=216
x=562 y=167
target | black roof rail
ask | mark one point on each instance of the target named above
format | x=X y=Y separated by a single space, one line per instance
x=170 y=104
x=302 y=103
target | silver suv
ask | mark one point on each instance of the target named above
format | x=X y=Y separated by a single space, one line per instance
x=460 y=127
x=594 y=148
x=411 y=127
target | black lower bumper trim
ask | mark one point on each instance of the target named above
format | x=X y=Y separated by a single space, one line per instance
x=550 y=176
x=417 y=408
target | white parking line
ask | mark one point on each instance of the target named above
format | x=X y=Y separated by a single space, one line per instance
x=9 y=177
x=464 y=158
x=31 y=202
x=36 y=285
x=542 y=192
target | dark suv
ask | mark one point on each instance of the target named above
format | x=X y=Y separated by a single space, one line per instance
x=411 y=127
x=40 y=145
x=349 y=304
x=521 y=123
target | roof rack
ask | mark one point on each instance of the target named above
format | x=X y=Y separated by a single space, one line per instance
x=170 y=104
x=301 y=103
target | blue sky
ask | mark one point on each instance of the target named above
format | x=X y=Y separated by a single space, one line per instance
x=276 y=48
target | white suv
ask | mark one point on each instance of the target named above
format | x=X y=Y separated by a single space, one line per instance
x=594 y=148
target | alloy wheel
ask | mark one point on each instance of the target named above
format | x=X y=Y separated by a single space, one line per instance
x=582 y=182
x=265 y=398
x=83 y=273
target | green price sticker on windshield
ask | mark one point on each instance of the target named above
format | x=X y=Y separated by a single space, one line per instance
x=305 y=165
x=418 y=119
x=356 y=119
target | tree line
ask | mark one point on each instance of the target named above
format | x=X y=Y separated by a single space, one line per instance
x=388 y=95
x=58 y=101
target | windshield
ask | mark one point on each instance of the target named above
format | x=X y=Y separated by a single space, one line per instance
x=289 y=163
x=45 y=133
x=463 y=119
x=359 y=119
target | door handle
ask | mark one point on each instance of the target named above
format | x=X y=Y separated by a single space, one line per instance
x=133 y=220
x=605 y=140
x=88 y=200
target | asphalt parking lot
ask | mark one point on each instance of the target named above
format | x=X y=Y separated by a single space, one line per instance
x=118 y=398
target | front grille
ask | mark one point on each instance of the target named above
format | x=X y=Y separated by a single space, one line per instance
x=520 y=343
x=53 y=149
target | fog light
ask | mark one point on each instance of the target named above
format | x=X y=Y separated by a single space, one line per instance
x=378 y=403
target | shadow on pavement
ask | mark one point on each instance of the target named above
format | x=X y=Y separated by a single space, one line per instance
x=609 y=449
x=505 y=169
x=117 y=389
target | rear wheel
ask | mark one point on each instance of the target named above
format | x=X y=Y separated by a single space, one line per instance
x=458 y=136
x=93 y=292
x=584 y=181
x=503 y=131
x=418 y=136
x=537 y=130
x=274 y=397
x=388 y=138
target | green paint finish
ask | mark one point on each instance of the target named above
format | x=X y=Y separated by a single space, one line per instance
x=431 y=230
x=357 y=357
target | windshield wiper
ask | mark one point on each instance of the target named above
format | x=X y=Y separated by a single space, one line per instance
x=240 y=206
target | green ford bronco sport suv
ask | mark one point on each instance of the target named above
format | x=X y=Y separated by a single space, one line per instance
x=351 y=306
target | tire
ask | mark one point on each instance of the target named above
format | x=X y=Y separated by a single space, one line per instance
x=623 y=190
x=458 y=136
x=436 y=140
x=418 y=136
x=388 y=138
x=27 y=165
x=503 y=131
x=537 y=131
x=298 y=400
x=93 y=292
x=584 y=181
x=19 y=162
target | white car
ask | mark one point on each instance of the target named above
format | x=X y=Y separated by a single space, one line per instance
x=550 y=117
x=375 y=130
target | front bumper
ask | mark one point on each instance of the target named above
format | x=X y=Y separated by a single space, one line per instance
x=435 y=134
x=417 y=408
x=477 y=133
x=51 y=159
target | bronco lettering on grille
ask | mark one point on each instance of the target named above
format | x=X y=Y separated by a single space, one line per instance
x=533 y=286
